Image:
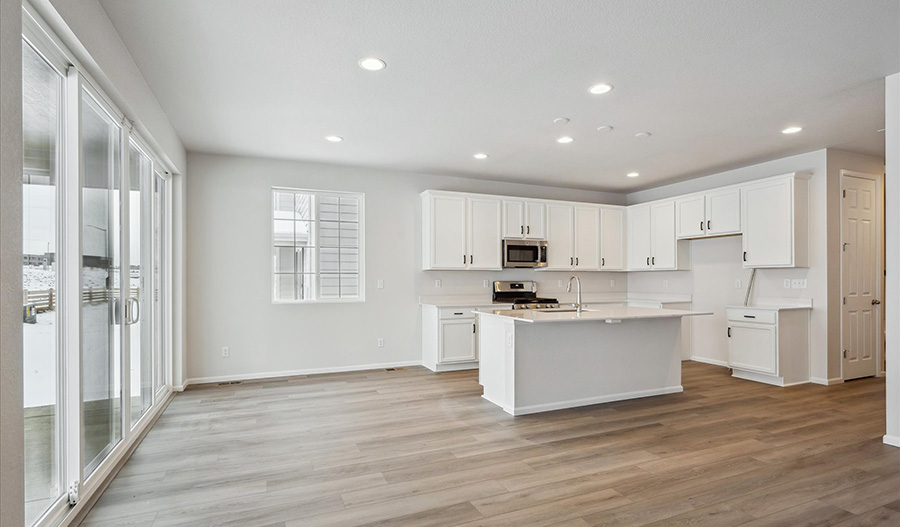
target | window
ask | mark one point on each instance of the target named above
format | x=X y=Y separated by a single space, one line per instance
x=317 y=246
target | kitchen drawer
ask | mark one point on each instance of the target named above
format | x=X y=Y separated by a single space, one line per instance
x=760 y=316
x=455 y=312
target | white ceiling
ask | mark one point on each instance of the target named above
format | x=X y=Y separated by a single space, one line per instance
x=714 y=81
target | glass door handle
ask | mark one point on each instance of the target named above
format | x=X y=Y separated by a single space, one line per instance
x=132 y=311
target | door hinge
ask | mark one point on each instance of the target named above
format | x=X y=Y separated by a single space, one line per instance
x=845 y=300
x=844 y=193
x=845 y=354
x=73 y=492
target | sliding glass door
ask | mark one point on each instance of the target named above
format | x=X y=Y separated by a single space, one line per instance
x=160 y=281
x=42 y=119
x=140 y=252
x=101 y=282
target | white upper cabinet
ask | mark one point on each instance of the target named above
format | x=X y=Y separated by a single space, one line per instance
x=716 y=213
x=484 y=247
x=775 y=219
x=587 y=237
x=723 y=212
x=444 y=231
x=651 y=238
x=524 y=219
x=536 y=220
x=461 y=232
x=560 y=236
x=662 y=218
x=612 y=239
x=691 y=216
x=639 y=248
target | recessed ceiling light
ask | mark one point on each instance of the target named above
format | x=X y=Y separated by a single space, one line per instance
x=642 y=135
x=372 y=64
x=791 y=130
x=600 y=89
x=633 y=174
x=565 y=139
x=604 y=128
x=561 y=120
x=334 y=138
x=480 y=155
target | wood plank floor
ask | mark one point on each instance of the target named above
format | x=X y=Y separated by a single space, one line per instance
x=411 y=448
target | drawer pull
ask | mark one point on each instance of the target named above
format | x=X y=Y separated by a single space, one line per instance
x=749 y=316
x=460 y=313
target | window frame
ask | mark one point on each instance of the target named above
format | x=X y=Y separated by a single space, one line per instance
x=361 y=273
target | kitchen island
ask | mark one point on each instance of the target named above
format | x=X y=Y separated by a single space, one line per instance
x=540 y=360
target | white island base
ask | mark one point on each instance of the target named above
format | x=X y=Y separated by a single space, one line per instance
x=548 y=361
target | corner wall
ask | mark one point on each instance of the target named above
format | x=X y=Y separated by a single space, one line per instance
x=12 y=435
x=892 y=253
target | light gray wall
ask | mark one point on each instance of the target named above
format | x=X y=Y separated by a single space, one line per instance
x=228 y=280
x=892 y=264
x=12 y=448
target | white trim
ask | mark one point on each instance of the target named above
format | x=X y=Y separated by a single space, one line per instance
x=588 y=401
x=297 y=373
x=460 y=366
x=826 y=382
x=891 y=440
x=714 y=362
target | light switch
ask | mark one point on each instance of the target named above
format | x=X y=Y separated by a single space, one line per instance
x=612 y=283
x=380 y=284
x=787 y=283
x=437 y=283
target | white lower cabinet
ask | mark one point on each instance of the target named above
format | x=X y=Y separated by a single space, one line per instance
x=450 y=337
x=769 y=345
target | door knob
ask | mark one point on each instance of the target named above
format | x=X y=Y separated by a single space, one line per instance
x=875 y=302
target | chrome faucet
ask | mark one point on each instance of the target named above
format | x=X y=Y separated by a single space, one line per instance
x=577 y=292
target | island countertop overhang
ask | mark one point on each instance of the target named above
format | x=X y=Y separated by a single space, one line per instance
x=608 y=314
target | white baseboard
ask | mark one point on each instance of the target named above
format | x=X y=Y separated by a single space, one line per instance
x=714 y=362
x=454 y=367
x=296 y=373
x=826 y=382
x=574 y=403
x=891 y=440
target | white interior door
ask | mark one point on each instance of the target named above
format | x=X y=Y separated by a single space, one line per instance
x=587 y=237
x=860 y=326
x=513 y=219
x=691 y=214
x=559 y=237
x=448 y=247
x=612 y=239
x=484 y=234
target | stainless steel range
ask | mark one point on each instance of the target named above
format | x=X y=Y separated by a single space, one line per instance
x=522 y=295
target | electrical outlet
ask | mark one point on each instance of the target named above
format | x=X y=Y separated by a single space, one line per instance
x=380 y=284
x=559 y=283
x=226 y=352
x=737 y=283
x=787 y=283
x=437 y=283
x=665 y=283
x=612 y=283
x=487 y=283
x=798 y=283
x=509 y=340
x=380 y=342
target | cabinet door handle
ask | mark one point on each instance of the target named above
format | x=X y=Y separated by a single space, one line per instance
x=464 y=259
x=653 y=260
x=701 y=225
x=521 y=229
x=745 y=256
x=648 y=260
x=470 y=258
x=528 y=230
x=571 y=261
x=576 y=261
x=708 y=224
x=729 y=332
x=473 y=328
x=602 y=262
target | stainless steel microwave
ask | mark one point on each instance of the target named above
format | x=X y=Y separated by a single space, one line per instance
x=524 y=253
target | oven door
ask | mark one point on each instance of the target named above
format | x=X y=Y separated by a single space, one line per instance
x=519 y=253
